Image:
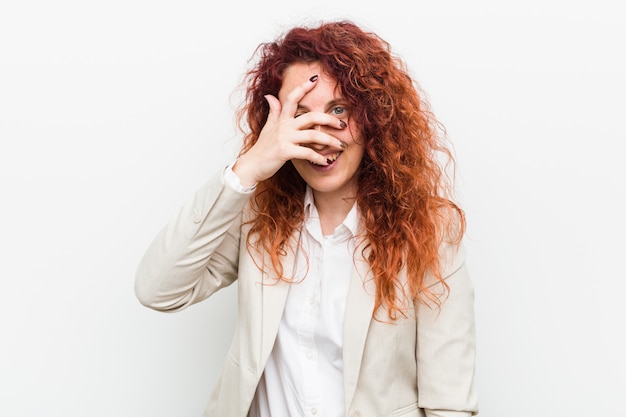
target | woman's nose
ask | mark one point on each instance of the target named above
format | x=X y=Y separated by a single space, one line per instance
x=316 y=146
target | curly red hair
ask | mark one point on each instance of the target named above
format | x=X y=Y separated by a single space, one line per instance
x=404 y=190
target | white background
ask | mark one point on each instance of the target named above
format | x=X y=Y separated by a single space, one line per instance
x=113 y=113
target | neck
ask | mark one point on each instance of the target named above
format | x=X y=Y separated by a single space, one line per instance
x=332 y=210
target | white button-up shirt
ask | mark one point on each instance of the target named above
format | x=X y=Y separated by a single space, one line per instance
x=304 y=373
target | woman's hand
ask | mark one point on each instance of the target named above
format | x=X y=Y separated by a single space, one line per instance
x=286 y=137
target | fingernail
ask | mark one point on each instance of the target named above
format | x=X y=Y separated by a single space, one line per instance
x=343 y=145
x=328 y=161
x=342 y=124
x=313 y=78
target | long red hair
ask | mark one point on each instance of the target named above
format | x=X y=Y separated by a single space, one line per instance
x=404 y=187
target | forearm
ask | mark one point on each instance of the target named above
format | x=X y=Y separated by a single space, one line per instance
x=196 y=253
x=446 y=345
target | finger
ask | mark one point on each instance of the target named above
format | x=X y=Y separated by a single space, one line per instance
x=312 y=119
x=310 y=155
x=290 y=106
x=275 y=107
x=316 y=137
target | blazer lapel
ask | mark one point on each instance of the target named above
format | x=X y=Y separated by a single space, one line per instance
x=274 y=298
x=358 y=315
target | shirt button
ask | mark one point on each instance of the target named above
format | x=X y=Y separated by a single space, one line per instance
x=309 y=355
x=314 y=411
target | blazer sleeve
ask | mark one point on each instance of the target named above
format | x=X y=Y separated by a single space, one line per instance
x=196 y=253
x=446 y=343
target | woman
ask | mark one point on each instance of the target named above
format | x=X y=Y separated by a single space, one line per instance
x=336 y=223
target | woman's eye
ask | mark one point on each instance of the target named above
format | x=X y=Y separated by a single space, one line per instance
x=338 y=111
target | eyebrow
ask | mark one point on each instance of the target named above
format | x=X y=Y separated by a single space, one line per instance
x=335 y=102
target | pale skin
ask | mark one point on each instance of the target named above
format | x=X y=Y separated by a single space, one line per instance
x=309 y=124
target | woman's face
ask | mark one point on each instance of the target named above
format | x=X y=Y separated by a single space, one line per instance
x=339 y=178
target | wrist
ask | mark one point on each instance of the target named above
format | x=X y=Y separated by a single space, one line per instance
x=241 y=169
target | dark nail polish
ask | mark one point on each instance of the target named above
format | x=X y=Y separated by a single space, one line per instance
x=313 y=78
x=328 y=161
x=342 y=124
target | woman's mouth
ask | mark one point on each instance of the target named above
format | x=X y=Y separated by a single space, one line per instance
x=330 y=158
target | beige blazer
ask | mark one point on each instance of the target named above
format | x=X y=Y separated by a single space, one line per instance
x=419 y=365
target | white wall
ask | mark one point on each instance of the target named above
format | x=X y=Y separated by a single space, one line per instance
x=112 y=113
